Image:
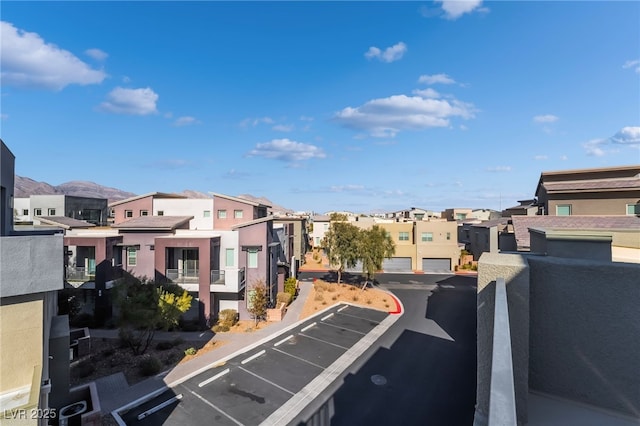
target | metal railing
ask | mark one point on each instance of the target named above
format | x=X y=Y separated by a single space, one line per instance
x=79 y=274
x=502 y=396
x=182 y=275
x=217 y=277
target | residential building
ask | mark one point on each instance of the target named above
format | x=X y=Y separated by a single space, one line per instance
x=602 y=191
x=456 y=214
x=92 y=210
x=298 y=232
x=34 y=339
x=231 y=211
x=490 y=236
x=524 y=208
x=414 y=213
x=624 y=232
x=484 y=214
x=139 y=206
x=557 y=334
x=319 y=226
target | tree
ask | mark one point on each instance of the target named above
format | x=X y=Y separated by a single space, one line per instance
x=257 y=298
x=338 y=217
x=146 y=307
x=340 y=243
x=374 y=245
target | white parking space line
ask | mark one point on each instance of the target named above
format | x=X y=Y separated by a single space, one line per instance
x=283 y=340
x=298 y=358
x=326 y=316
x=362 y=318
x=344 y=328
x=309 y=326
x=211 y=379
x=267 y=380
x=447 y=286
x=159 y=407
x=216 y=408
x=324 y=341
x=252 y=357
x=343 y=308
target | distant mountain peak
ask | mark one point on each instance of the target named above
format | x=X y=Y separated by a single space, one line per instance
x=24 y=187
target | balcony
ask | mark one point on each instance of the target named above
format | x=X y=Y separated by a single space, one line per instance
x=183 y=276
x=79 y=274
x=228 y=280
x=217 y=277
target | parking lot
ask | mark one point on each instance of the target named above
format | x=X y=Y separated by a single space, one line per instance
x=248 y=388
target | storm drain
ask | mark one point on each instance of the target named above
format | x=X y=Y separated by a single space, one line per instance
x=378 y=380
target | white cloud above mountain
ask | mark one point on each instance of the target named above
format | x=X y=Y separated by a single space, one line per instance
x=390 y=54
x=286 y=150
x=140 y=101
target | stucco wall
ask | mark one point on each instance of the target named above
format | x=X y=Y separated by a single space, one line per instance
x=21 y=204
x=195 y=207
x=46 y=202
x=145 y=258
x=584 y=331
x=605 y=203
x=230 y=206
x=145 y=203
x=515 y=270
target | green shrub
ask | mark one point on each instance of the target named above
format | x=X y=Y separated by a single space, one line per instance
x=220 y=328
x=149 y=365
x=284 y=297
x=228 y=317
x=191 y=351
x=170 y=358
x=291 y=286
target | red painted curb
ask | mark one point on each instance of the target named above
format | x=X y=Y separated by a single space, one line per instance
x=398 y=309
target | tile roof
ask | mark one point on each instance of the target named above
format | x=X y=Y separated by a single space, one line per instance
x=521 y=224
x=64 y=222
x=163 y=223
x=588 y=185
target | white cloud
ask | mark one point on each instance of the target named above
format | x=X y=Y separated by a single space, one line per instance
x=286 y=150
x=255 y=121
x=305 y=118
x=390 y=54
x=453 y=9
x=385 y=117
x=547 y=118
x=96 y=54
x=627 y=136
x=499 y=169
x=564 y=158
x=185 y=121
x=28 y=61
x=436 y=79
x=131 y=101
x=426 y=93
x=635 y=64
x=283 y=127
x=540 y=157
x=346 y=188
x=235 y=174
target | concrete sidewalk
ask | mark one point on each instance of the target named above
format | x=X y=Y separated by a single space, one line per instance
x=113 y=394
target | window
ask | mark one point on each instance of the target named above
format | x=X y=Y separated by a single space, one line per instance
x=317 y=243
x=238 y=214
x=128 y=213
x=51 y=212
x=427 y=236
x=326 y=226
x=419 y=216
x=206 y=213
x=25 y=212
x=132 y=256
x=37 y=212
x=222 y=214
x=152 y=247
x=160 y=212
x=461 y=216
x=144 y=212
x=633 y=209
x=563 y=210
x=403 y=236
x=448 y=235
x=253 y=259
x=230 y=257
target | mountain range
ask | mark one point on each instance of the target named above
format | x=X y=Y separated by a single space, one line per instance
x=24 y=187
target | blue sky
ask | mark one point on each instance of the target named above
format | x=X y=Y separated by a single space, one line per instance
x=321 y=106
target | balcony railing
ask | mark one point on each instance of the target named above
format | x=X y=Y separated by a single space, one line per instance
x=182 y=275
x=241 y=278
x=217 y=277
x=79 y=274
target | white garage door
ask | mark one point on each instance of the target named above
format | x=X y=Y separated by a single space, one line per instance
x=436 y=265
x=397 y=264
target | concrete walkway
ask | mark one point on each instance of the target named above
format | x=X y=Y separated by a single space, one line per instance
x=113 y=394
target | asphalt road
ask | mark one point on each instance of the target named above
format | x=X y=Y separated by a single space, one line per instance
x=422 y=371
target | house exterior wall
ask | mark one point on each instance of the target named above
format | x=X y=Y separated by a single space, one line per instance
x=453 y=214
x=249 y=212
x=320 y=228
x=20 y=205
x=145 y=203
x=195 y=207
x=256 y=235
x=601 y=204
x=441 y=247
x=7 y=179
x=145 y=257
x=75 y=207
x=46 y=202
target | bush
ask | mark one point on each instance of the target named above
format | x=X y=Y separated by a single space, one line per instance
x=291 y=286
x=177 y=341
x=220 y=328
x=284 y=297
x=106 y=353
x=228 y=317
x=149 y=365
x=321 y=285
x=190 y=325
x=170 y=358
x=318 y=297
x=191 y=351
x=163 y=346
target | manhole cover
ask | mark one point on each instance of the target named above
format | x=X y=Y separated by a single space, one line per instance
x=378 y=380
